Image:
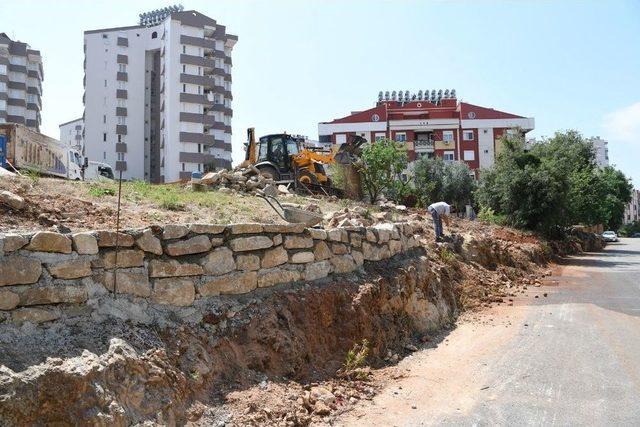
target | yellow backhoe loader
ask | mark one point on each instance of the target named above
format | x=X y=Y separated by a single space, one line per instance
x=285 y=159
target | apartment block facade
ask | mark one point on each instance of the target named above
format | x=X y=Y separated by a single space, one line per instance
x=431 y=124
x=21 y=77
x=72 y=134
x=632 y=210
x=158 y=96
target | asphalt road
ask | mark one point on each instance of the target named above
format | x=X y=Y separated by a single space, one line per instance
x=570 y=358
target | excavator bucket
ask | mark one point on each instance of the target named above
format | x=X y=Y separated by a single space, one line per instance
x=349 y=152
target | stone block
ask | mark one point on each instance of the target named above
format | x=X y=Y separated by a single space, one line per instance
x=85 y=243
x=284 y=228
x=148 y=242
x=343 y=263
x=13 y=242
x=384 y=231
x=53 y=294
x=11 y=200
x=370 y=235
x=318 y=233
x=356 y=240
x=338 y=235
x=194 y=245
x=249 y=228
x=217 y=241
x=242 y=244
x=19 y=270
x=73 y=269
x=8 y=300
x=302 y=258
x=48 y=241
x=173 y=268
x=374 y=252
x=219 y=261
x=339 y=248
x=229 y=284
x=317 y=270
x=129 y=282
x=174 y=231
x=248 y=262
x=107 y=239
x=206 y=228
x=395 y=247
x=178 y=292
x=126 y=258
x=277 y=239
x=298 y=242
x=277 y=275
x=274 y=257
x=322 y=251
x=33 y=315
x=358 y=257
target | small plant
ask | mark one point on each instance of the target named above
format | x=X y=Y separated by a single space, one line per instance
x=101 y=191
x=195 y=375
x=447 y=256
x=354 y=366
x=171 y=202
x=33 y=175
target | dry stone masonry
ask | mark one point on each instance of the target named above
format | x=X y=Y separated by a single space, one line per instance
x=47 y=275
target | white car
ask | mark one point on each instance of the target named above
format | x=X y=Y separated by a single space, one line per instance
x=610 y=236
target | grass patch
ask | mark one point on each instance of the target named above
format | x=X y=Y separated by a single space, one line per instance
x=447 y=256
x=101 y=190
x=354 y=366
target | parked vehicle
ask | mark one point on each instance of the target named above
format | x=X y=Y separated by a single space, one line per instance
x=610 y=236
x=97 y=170
x=636 y=234
x=23 y=148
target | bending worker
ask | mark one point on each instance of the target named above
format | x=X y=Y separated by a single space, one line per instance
x=439 y=211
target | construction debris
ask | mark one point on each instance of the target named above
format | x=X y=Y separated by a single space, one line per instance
x=244 y=180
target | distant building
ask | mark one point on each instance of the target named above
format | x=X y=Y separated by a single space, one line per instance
x=632 y=210
x=601 y=149
x=431 y=124
x=72 y=134
x=158 y=95
x=21 y=77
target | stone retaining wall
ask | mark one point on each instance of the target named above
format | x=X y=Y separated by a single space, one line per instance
x=46 y=275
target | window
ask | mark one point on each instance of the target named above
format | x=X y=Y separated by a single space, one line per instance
x=380 y=136
x=199 y=148
x=105 y=83
x=183 y=167
x=104 y=118
x=184 y=88
x=469 y=155
x=121 y=157
x=104 y=137
x=122 y=120
x=119 y=138
x=122 y=68
x=401 y=136
x=447 y=136
x=154 y=35
x=448 y=156
x=467 y=135
x=184 y=68
x=105 y=36
x=104 y=155
x=184 y=49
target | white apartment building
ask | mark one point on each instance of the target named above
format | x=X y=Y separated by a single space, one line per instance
x=72 y=134
x=158 y=96
x=632 y=210
x=601 y=150
x=21 y=78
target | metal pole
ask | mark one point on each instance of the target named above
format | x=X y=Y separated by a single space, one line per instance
x=115 y=271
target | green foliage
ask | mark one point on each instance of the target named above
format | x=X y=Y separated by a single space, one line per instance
x=555 y=184
x=380 y=166
x=33 y=174
x=338 y=176
x=355 y=361
x=437 y=180
x=171 y=202
x=447 y=256
x=487 y=214
x=628 y=229
x=101 y=190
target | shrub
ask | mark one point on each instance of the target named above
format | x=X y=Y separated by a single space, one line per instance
x=355 y=361
x=380 y=166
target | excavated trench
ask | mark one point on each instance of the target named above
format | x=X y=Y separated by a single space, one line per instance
x=119 y=373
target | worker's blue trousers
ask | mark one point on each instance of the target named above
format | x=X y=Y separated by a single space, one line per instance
x=437 y=223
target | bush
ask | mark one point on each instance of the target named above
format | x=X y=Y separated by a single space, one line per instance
x=355 y=361
x=437 y=180
x=487 y=214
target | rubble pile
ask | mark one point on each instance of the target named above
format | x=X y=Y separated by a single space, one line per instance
x=359 y=216
x=244 y=180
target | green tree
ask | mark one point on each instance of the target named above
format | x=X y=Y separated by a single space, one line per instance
x=437 y=180
x=380 y=166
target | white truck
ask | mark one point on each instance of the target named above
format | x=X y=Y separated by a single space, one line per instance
x=23 y=148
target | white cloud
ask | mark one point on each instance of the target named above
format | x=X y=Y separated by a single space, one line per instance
x=624 y=124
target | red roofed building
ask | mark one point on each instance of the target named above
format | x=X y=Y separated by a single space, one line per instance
x=431 y=125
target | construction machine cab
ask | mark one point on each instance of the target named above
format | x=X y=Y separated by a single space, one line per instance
x=274 y=155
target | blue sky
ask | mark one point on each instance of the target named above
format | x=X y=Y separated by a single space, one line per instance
x=569 y=64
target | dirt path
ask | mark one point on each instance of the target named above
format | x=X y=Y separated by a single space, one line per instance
x=569 y=358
